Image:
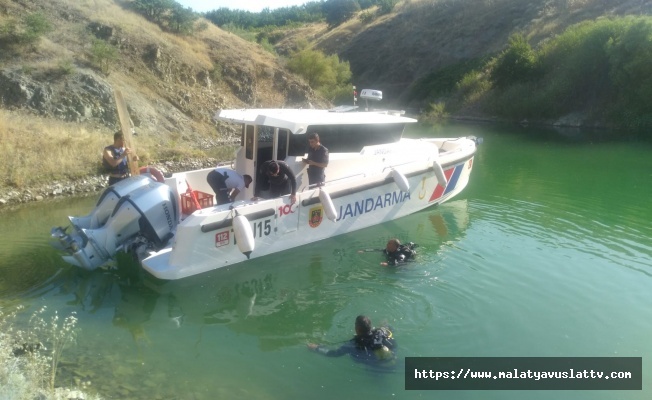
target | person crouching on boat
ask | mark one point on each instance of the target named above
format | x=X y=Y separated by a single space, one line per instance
x=398 y=253
x=281 y=179
x=317 y=160
x=375 y=345
x=227 y=184
x=114 y=159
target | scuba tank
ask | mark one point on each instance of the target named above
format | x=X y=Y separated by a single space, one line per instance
x=378 y=347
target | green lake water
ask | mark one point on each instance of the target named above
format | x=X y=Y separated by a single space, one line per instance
x=547 y=252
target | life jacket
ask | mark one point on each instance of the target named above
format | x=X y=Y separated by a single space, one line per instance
x=120 y=169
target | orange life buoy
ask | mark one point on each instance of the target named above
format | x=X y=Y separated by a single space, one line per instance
x=153 y=173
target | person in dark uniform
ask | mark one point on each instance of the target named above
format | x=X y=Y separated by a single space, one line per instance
x=398 y=253
x=370 y=345
x=317 y=160
x=395 y=252
x=281 y=179
x=114 y=159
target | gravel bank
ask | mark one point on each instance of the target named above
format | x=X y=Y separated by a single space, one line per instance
x=91 y=185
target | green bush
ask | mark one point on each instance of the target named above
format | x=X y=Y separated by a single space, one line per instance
x=598 y=68
x=26 y=32
x=366 y=17
x=434 y=112
x=103 y=54
x=338 y=11
x=443 y=82
x=265 y=44
x=154 y=10
x=630 y=57
x=181 y=20
x=66 y=67
x=318 y=69
x=471 y=88
x=516 y=64
x=386 y=6
x=216 y=73
x=29 y=357
x=340 y=94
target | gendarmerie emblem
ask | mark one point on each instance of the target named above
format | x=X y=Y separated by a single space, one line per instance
x=316 y=215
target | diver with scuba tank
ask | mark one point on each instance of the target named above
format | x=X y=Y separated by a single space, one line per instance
x=395 y=252
x=369 y=344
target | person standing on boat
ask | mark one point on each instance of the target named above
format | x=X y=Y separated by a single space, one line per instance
x=281 y=179
x=371 y=345
x=317 y=160
x=227 y=184
x=114 y=159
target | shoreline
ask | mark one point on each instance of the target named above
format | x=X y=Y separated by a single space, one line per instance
x=12 y=198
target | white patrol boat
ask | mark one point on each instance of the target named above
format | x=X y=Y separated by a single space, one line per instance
x=374 y=175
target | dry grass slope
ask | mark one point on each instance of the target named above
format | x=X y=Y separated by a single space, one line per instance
x=173 y=86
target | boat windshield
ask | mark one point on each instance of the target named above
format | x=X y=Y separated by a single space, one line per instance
x=348 y=138
x=265 y=133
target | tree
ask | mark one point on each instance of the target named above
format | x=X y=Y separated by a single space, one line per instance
x=181 y=20
x=154 y=10
x=103 y=54
x=516 y=64
x=313 y=66
x=338 y=11
x=327 y=74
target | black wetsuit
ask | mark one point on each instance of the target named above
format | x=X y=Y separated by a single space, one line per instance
x=377 y=347
x=284 y=183
x=404 y=253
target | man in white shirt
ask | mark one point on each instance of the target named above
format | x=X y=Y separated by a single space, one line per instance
x=227 y=184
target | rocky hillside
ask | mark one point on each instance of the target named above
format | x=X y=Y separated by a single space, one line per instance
x=173 y=84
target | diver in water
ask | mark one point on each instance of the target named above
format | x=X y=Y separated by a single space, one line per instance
x=398 y=253
x=375 y=345
x=395 y=252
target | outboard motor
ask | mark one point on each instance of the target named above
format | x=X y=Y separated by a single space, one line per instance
x=108 y=201
x=147 y=213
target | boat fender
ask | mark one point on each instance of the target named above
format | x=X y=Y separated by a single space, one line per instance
x=153 y=173
x=243 y=235
x=401 y=181
x=439 y=173
x=327 y=203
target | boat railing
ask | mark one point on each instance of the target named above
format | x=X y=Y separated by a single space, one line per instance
x=326 y=183
x=448 y=146
x=393 y=166
x=359 y=174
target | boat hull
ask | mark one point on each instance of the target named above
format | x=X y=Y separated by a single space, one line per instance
x=206 y=240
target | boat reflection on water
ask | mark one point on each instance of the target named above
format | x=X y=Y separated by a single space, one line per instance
x=284 y=299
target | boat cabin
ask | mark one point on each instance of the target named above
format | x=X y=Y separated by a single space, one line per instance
x=280 y=135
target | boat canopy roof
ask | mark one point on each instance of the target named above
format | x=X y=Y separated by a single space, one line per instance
x=298 y=120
